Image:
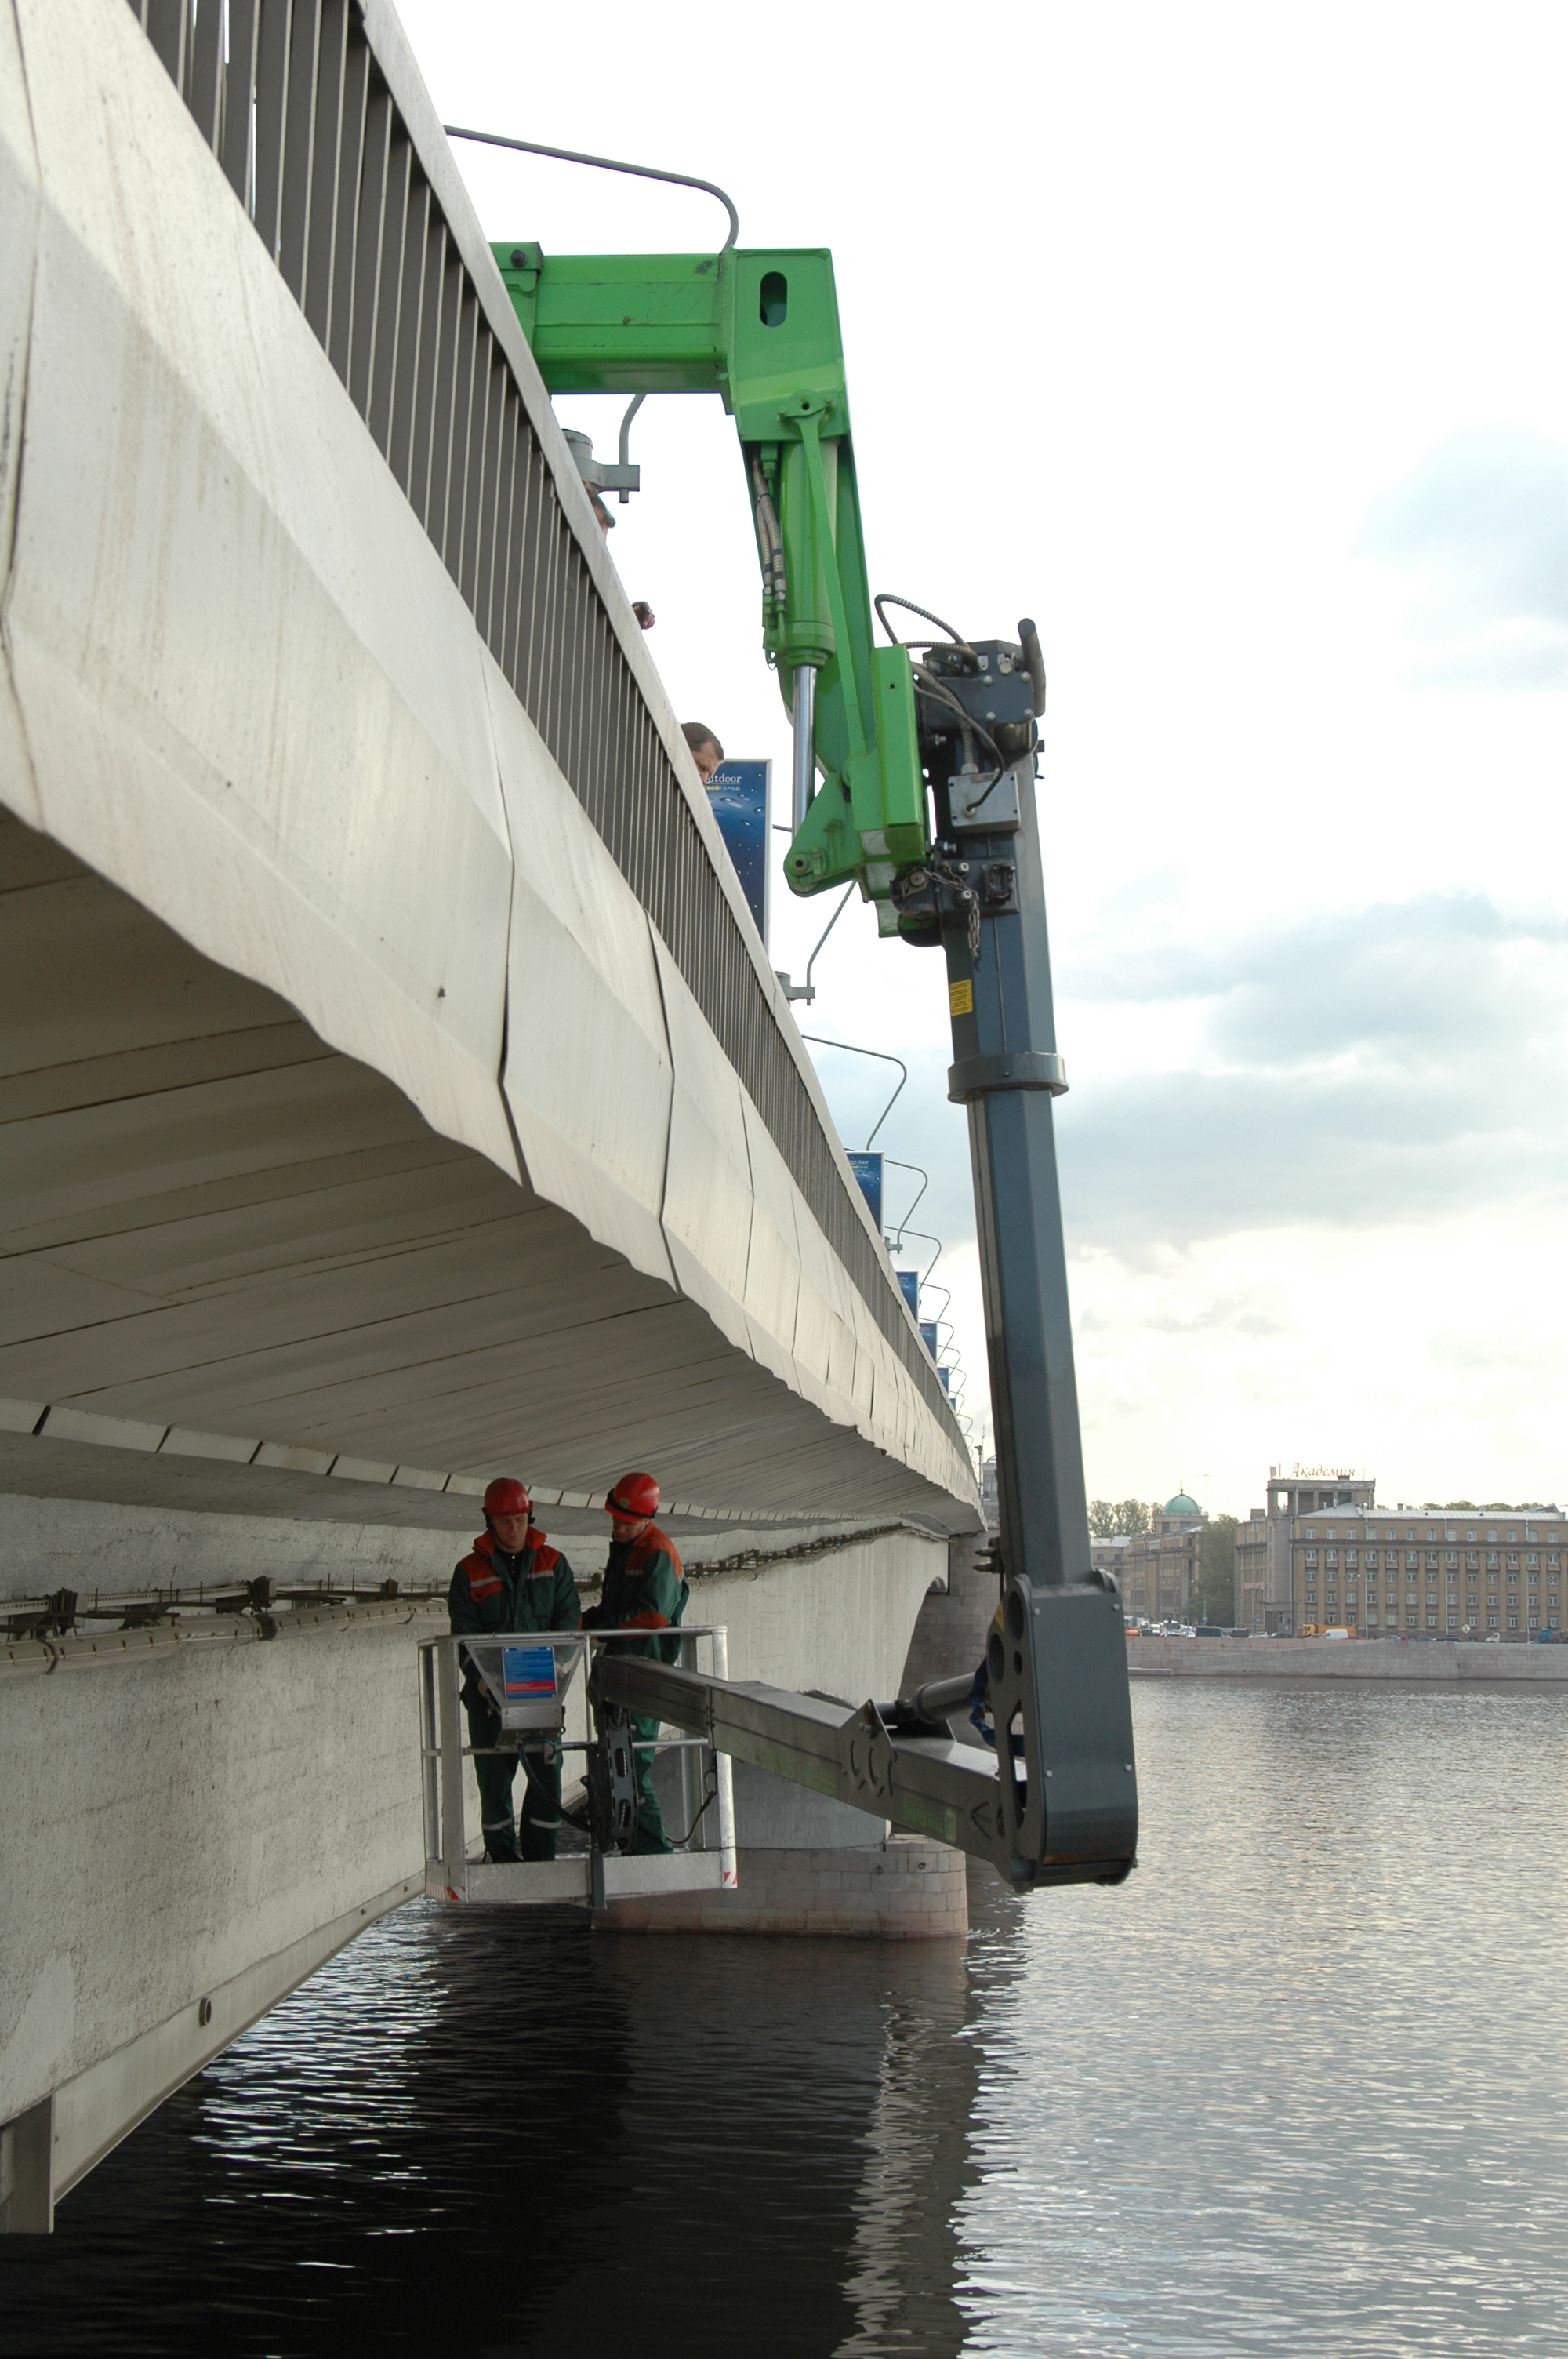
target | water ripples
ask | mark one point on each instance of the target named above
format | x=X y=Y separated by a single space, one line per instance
x=1298 y=2088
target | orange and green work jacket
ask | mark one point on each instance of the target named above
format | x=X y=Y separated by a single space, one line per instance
x=531 y=1590
x=644 y=1589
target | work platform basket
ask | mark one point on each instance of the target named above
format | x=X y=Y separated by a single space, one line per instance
x=530 y=1678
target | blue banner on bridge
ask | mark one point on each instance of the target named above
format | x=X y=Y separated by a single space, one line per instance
x=867 y=1170
x=738 y=794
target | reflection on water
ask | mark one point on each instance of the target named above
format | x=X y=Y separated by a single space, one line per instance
x=1298 y=2087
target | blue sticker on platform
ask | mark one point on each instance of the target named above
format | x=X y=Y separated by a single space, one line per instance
x=528 y=1673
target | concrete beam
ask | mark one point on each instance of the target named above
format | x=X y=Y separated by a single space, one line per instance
x=197 y=485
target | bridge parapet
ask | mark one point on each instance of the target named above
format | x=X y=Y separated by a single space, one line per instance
x=296 y=514
x=323 y=128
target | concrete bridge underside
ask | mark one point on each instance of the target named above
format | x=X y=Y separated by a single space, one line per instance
x=226 y=1241
x=393 y=1084
x=354 y=1101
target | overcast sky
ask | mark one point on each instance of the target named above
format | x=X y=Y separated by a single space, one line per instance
x=1228 y=342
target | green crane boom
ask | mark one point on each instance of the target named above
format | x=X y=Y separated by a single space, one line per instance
x=760 y=328
x=928 y=803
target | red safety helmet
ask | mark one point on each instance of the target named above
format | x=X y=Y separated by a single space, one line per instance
x=507 y=1496
x=634 y=1496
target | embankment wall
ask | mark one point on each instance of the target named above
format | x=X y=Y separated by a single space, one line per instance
x=1354 y=1659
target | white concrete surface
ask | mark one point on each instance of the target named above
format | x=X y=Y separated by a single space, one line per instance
x=314 y=1530
x=360 y=1138
x=838 y=1620
x=210 y=1824
x=90 y=1544
x=354 y=859
x=904 y=1889
x=218 y=1230
x=171 y=1826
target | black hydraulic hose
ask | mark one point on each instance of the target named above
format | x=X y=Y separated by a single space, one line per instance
x=769 y=539
x=886 y=598
x=605 y=164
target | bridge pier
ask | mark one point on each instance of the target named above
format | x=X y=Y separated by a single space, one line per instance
x=198 y=1815
x=809 y=1864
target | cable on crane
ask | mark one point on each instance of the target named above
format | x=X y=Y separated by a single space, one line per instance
x=888 y=598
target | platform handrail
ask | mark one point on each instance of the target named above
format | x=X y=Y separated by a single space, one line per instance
x=706 y=1782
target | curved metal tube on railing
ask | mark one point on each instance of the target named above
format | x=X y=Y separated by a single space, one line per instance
x=899 y=1165
x=885 y=1058
x=605 y=164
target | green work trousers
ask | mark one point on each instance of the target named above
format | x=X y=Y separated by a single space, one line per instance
x=494 y=1772
x=650 y=1835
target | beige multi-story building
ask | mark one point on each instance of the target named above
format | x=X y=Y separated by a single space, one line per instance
x=1157 y=1570
x=1265 y=1595
x=1430 y=1574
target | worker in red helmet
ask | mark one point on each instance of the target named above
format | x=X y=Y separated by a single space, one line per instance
x=512 y=1579
x=644 y=1589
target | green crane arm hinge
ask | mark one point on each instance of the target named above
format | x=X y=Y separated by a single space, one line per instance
x=761 y=330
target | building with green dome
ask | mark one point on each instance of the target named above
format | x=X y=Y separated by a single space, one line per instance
x=1157 y=1570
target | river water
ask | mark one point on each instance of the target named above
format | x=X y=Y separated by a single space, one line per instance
x=1298 y=2087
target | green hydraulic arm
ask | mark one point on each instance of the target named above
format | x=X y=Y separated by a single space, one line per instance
x=760 y=328
x=926 y=801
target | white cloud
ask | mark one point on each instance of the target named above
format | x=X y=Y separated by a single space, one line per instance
x=1479 y=531
x=1399 y=1061
x=1226 y=311
x=1430 y=1352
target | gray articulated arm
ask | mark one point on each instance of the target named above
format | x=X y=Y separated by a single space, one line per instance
x=1057 y=1805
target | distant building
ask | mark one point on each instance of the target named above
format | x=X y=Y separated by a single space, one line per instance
x=1430 y=1574
x=1157 y=1570
x=1265 y=1590
x=1324 y=1555
x=989 y=1504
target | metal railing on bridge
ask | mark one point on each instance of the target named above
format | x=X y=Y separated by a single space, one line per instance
x=302 y=116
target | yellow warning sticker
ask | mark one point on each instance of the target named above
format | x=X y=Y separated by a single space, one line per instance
x=961 y=998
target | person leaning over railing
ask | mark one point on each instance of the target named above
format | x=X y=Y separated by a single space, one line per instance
x=644 y=1589
x=705 y=749
x=512 y=1579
